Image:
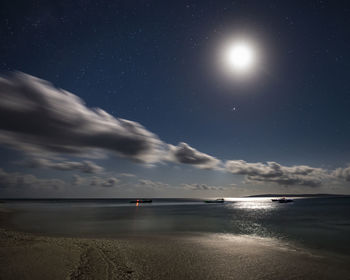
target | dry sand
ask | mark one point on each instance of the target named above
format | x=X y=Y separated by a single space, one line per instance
x=198 y=256
x=25 y=256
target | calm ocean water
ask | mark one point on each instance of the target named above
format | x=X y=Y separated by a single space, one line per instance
x=317 y=223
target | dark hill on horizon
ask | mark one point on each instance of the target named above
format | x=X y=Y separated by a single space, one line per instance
x=298 y=195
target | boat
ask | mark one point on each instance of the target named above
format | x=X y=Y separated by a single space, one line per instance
x=141 y=201
x=282 y=200
x=219 y=200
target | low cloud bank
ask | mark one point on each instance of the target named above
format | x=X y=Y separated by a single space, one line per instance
x=18 y=181
x=275 y=173
x=84 y=166
x=104 y=182
x=342 y=173
x=95 y=181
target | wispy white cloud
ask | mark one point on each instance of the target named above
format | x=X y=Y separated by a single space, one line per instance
x=202 y=187
x=152 y=184
x=128 y=175
x=183 y=153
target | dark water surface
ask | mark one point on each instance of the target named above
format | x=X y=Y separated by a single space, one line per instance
x=317 y=223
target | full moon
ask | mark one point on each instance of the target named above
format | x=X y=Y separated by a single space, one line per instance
x=239 y=57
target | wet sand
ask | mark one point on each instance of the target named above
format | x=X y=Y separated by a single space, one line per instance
x=195 y=256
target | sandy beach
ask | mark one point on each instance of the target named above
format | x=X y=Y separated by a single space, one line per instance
x=192 y=256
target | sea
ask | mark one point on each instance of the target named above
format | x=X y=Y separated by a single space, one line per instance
x=320 y=223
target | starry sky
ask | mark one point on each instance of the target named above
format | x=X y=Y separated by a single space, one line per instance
x=127 y=99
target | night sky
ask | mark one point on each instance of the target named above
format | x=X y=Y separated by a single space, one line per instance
x=174 y=123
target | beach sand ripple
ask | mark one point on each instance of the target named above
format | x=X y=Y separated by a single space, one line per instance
x=199 y=256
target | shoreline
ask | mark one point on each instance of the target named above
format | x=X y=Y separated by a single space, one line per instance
x=198 y=256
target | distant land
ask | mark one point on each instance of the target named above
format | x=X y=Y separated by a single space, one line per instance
x=298 y=195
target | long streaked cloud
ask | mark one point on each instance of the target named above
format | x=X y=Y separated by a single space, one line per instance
x=36 y=117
